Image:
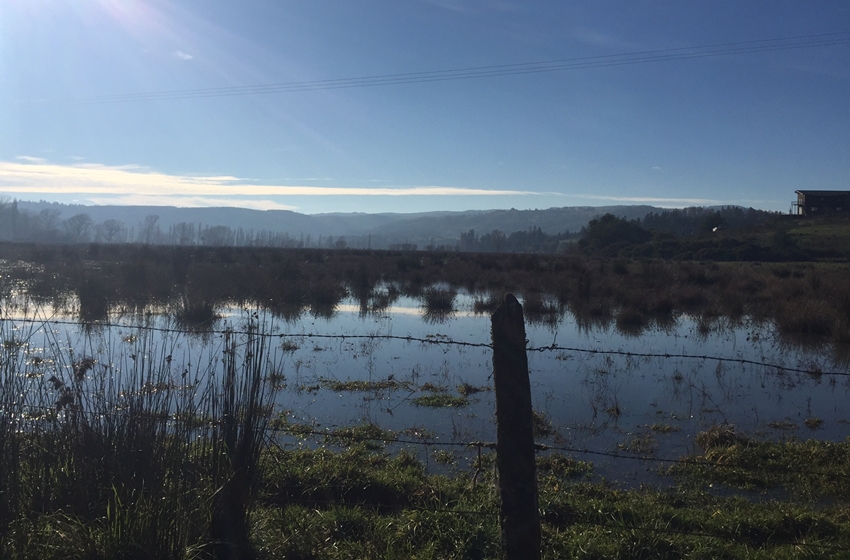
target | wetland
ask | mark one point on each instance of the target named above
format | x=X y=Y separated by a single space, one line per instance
x=644 y=374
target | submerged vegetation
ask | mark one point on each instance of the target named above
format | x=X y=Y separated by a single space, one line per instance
x=807 y=301
x=441 y=400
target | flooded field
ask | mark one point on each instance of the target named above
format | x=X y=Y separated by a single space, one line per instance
x=426 y=374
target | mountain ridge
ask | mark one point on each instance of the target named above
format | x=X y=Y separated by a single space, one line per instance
x=438 y=224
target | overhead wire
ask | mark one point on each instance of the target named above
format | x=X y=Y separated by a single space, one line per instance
x=477 y=72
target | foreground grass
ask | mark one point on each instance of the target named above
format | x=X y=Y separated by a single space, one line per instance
x=363 y=503
x=807 y=470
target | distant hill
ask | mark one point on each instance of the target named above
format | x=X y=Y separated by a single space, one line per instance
x=391 y=227
x=551 y=221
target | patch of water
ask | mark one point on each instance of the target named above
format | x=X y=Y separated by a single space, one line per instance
x=594 y=389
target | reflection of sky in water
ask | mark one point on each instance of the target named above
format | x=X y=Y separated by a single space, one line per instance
x=593 y=401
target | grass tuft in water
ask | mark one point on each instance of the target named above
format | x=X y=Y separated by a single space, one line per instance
x=441 y=400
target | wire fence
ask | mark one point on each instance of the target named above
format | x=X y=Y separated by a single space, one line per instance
x=444 y=341
x=343 y=434
x=343 y=437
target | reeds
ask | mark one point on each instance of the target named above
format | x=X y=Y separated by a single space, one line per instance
x=113 y=452
x=804 y=299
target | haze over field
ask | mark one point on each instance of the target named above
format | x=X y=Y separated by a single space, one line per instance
x=426 y=105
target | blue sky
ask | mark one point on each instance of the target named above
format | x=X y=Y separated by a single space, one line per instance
x=747 y=128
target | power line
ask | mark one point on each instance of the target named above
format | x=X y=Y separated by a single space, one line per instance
x=477 y=72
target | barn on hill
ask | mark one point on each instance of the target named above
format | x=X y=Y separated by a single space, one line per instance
x=816 y=203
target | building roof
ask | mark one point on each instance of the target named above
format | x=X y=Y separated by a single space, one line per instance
x=823 y=193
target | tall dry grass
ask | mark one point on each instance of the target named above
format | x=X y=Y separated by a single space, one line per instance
x=110 y=452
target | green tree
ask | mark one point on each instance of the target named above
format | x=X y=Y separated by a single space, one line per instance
x=609 y=230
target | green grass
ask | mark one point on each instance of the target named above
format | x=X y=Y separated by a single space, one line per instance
x=807 y=469
x=362 y=386
x=441 y=400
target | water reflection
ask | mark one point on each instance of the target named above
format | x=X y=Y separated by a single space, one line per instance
x=590 y=398
x=196 y=316
x=438 y=304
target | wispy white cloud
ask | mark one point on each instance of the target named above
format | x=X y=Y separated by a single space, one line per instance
x=182 y=55
x=655 y=200
x=656 y=168
x=189 y=202
x=31 y=159
x=136 y=183
x=308 y=179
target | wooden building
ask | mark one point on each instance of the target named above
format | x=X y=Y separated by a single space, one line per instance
x=816 y=203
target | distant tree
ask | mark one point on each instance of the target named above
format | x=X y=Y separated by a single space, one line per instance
x=8 y=218
x=183 y=234
x=217 y=236
x=49 y=218
x=609 y=229
x=110 y=231
x=713 y=222
x=149 y=229
x=340 y=243
x=78 y=228
x=498 y=240
x=468 y=240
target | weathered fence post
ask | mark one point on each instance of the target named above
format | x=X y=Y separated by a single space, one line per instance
x=520 y=519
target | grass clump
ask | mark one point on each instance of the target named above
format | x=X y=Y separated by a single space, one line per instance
x=664 y=428
x=807 y=469
x=466 y=389
x=361 y=385
x=369 y=435
x=541 y=425
x=441 y=400
x=813 y=423
x=562 y=466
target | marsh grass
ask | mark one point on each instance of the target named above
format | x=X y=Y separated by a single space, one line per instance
x=99 y=481
x=363 y=385
x=111 y=458
x=810 y=469
x=806 y=300
x=441 y=400
x=466 y=389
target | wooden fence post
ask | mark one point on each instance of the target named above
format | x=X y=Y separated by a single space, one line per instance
x=520 y=520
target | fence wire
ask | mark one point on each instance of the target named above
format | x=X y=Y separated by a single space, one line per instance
x=302 y=432
x=444 y=341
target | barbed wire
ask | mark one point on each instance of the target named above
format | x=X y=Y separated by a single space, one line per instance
x=303 y=432
x=442 y=340
x=341 y=435
x=670 y=355
x=343 y=501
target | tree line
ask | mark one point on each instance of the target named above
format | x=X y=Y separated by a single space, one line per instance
x=47 y=226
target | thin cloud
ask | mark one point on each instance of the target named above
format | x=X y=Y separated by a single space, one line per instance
x=189 y=202
x=182 y=55
x=31 y=159
x=654 y=200
x=96 y=179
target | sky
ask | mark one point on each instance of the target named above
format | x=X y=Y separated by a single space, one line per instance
x=423 y=105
